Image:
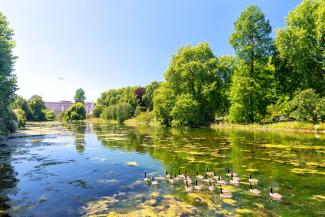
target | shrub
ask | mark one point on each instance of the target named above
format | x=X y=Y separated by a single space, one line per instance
x=119 y=112
x=185 y=111
x=75 y=112
x=49 y=115
x=21 y=117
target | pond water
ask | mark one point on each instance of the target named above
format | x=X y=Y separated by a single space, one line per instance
x=99 y=170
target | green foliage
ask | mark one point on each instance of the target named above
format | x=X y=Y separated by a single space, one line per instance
x=49 y=115
x=21 y=103
x=80 y=95
x=250 y=89
x=75 y=112
x=186 y=111
x=119 y=112
x=193 y=71
x=148 y=96
x=280 y=108
x=36 y=107
x=300 y=45
x=21 y=117
x=137 y=110
x=7 y=77
x=305 y=106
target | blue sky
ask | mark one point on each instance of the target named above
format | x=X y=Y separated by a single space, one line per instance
x=103 y=44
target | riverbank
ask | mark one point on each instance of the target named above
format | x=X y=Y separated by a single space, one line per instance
x=280 y=126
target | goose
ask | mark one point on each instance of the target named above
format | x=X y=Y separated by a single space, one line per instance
x=225 y=194
x=214 y=175
x=254 y=190
x=181 y=176
x=211 y=187
x=230 y=173
x=146 y=179
x=199 y=176
x=187 y=187
x=275 y=196
x=219 y=181
x=171 y=180
x=209 y=173
x=234 y=180
x=198 y=187
x=167 y=176
x=176 y=178
x=153 y=182
x=254 y=181
x=187 y=179
x=206 y=179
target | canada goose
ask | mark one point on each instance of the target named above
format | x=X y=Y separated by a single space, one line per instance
x=171 y=180
x=254 y=190
x=234 y=180
x=153 y=182
x=209 y=173
x=187 y=179
x=166 y=174
x=198 y=187
x=199 y=176
x=187 y=187
x=181 y=176
x=225 y=194
x=219 y=181
x=206 y=179
x=146 y=179
x=230 y=173
x=176 y=178
x=275 y=196
x=254 y=181
x=211 y=187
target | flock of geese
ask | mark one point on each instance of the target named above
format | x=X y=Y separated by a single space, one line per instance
x=208 y=181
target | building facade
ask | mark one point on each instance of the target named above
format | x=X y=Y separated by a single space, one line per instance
x=62 y=106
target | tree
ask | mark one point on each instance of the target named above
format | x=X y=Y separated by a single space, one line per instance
x=185 y=111
x=76 y=112
x=305 y=106
x=36 y=107
x=21 y=103
x=148 y=96
x=300 y=60
x=80 y=96
x=21 y=117
x=253 y=45
x=119 y=112
x=193 y=70
x=7 y=77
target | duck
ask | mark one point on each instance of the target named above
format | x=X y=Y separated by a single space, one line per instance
x=209 y=173
x=211 y=187
x=199 y=176
x=187 y=187
x=153 y=181
x=254 y=181
x=198 y=187
x=146 y=179
x=225 y=194
x=220 y=181
x=254 y=190
x=275 y=196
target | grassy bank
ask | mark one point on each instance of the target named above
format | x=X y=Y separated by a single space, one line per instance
x=144 y=118
x=102 y=121
x=287 y=126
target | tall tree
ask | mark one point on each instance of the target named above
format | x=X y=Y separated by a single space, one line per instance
x=37 y=108
x=301 y=49
x=80 y=95
x=253 y=46
x=7 y=77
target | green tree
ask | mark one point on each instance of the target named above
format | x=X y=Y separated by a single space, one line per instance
x=119 y=112
x=300 y=46
x=305 y=106
x=49 y=115
x=21 y=103
x=185 y=111
x=253 y=45
x=193 y=70
x=21 y=117
x=75 y=112
x=80 y=95
x=36 y=107
x=7 y=77
x=148 y=96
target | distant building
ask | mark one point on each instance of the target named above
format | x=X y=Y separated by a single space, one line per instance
x=62 y=106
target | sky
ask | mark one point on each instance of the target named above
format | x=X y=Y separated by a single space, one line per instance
x=97 y=45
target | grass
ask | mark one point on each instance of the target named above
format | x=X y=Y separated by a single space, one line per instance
x=290 y=125
x=102 y=121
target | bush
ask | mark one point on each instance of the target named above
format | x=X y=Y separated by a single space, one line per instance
x=304 y=106
x=49 y=115
x=75 y=112
x=21 y=117
x=36 y=107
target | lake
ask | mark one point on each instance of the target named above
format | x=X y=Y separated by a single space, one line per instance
x=84 y=169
